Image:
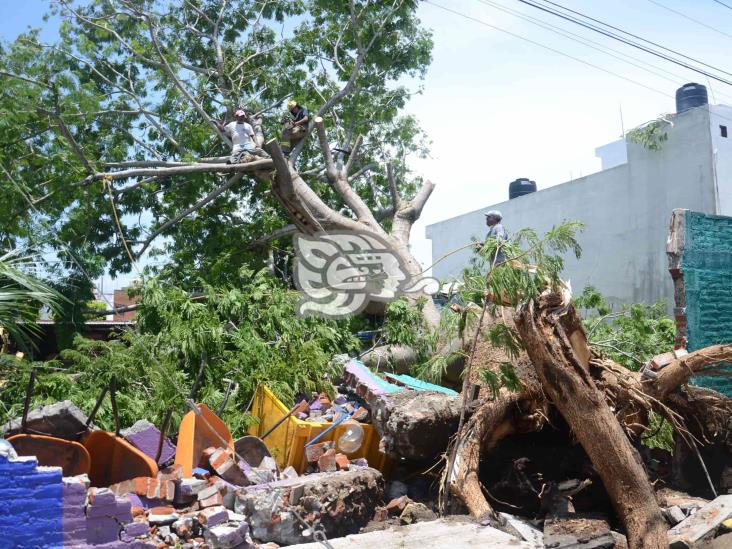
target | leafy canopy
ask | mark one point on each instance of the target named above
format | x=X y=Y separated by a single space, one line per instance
x=141 y=80
x=247 y=333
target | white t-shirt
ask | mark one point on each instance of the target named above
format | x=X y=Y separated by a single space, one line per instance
x=240 y=134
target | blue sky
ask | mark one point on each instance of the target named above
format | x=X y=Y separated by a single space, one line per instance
x=498 y=108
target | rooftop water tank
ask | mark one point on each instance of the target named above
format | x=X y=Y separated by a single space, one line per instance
x=520 y=187
x=689 y=96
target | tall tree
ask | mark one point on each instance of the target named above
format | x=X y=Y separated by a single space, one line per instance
x=109 y=134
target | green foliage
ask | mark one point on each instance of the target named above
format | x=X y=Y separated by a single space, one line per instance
x=660 y=433
x=249 y=333
x=631 y=336
x=22 y=295
x=531 y=263
x=650 y=135
x=104 y=78
x=506 y=377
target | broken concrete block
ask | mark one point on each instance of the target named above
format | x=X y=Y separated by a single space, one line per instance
x=366 y=384
x=528 y=532
x=343 y=502
x=229 y=535
x=159 y=516
x=572 y=529
x=455 y=532
x=214 y=500
x=137 y=529
x=213 y=515
x=289 y=472
x=62 y=419
x=223 y=461
x=416 y=512
x=701 y=524
x=144 y=436
x=416 y=425
x=673 y=514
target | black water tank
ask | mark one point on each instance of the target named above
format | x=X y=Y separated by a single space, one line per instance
x=689 y=96
x=520 y=187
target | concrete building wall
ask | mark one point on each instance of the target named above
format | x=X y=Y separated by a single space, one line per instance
x=626 y=210
x=721 y=120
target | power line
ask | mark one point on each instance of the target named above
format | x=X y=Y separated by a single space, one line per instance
x=627 y=41
x=702 y=23
x=529 y=40
x=622 y=56
x=484 y=23
x=723 y=4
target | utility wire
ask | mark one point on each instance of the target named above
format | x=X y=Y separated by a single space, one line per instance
x=702 y=23
x=484 y=23
x=529 y=40
x=627 y=41
x=723 y=4
x=622 y=56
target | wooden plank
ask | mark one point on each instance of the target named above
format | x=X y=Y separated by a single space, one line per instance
x=701 y=523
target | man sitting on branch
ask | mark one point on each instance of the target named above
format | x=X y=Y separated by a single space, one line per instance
x=241 y=134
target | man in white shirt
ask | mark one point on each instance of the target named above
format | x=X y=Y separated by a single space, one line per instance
x=241 y=134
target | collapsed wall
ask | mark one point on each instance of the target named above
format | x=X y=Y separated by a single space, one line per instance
x=699 y=249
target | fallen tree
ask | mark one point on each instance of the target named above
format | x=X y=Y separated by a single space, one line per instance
x=537 y=336
x=603 y=404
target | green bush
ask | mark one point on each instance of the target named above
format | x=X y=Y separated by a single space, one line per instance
x=249 y=333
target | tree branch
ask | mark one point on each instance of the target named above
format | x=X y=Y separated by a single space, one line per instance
x=287 y=230
x=393 y=189
x=354 y=154
x=205 y=200
x=330 y=169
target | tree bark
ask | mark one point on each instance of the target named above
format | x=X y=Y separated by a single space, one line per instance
x=550 y=339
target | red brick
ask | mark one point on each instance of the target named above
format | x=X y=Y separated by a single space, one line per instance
x=314 y=451
x=342 y=462
x=216 y=499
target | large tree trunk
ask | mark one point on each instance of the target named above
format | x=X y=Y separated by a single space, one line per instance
x=557 y=347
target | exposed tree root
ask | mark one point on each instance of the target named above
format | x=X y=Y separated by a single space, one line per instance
x=509 y=414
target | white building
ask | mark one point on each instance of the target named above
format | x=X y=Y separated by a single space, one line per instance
x=626 y=208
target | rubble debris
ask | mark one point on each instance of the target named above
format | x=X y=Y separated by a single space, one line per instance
x=701 y=524
x=144 y=436
x=61 y=419
x=339 y=502
x=577 y=530
x=416 y=425
x=396 y=506
x=673 y=514
x=438 y=534
x=222 y=461
x=235 y=534
x=528 y=532
x=416 y=512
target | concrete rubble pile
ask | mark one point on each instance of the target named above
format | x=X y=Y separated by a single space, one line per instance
x=228 y=501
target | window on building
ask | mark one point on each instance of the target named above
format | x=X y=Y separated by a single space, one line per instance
x=723 y=131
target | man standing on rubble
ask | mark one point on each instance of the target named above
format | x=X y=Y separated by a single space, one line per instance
x=295 y=126
x=495 y=230
x=241 y=134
